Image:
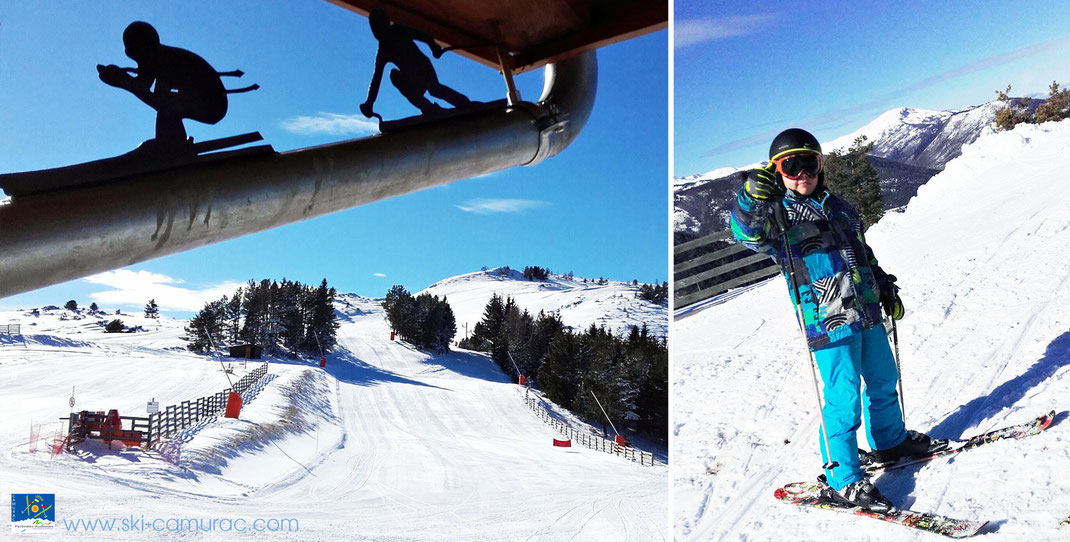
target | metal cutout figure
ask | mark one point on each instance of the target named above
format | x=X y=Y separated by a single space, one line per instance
x=177 y=83
x=414 y=75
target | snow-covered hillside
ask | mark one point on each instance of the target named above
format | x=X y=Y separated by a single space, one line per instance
x=385 y=443
x=981 y=256
x=580 y=303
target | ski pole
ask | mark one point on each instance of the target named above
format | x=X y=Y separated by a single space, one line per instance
x=782 y=222
x=898 y=368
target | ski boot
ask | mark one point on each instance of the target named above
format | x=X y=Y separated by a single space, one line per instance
x=861 y=493
x=915 y=445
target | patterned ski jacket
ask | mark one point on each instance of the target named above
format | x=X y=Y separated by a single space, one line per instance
x=836 y=271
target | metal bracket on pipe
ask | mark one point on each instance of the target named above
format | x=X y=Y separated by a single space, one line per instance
x=505 y=61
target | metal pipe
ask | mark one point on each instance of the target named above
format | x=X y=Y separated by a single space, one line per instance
x=50 y=238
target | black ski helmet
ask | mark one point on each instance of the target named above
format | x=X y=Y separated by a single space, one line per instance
x=793 y=140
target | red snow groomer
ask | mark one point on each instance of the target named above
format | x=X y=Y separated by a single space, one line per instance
x=107 y=427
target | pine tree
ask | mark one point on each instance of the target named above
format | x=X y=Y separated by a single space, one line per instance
x=486 y=329
x=322 y=326
x=71 y=305
x=1013 y=111
x=446 y=328
x=400 y=310
x=291 y=323
x=93 y=307
x=652 y=401
x=232 y=313
x=255 y=305
x=152 y=310
x=556 y=376
x=851 y=177
x=500 y=342
x=1056 y=107
x=206 y=327
x=602 y=376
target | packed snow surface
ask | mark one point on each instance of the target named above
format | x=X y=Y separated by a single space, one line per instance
x=385 y=443
x=982 y=259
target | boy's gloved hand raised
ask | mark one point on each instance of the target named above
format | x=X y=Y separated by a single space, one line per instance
x=763 y=183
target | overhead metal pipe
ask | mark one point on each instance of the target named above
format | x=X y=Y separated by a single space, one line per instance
x=50 y=238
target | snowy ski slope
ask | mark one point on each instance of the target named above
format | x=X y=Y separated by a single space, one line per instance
x=387 y=443
x=983 y=259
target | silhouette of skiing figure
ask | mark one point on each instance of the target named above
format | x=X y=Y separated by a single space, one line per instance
x=175 y=82
x=413 y=75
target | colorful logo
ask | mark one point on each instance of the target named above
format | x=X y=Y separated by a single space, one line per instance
x=32 y=512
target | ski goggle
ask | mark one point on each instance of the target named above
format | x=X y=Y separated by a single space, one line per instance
x=794 y=166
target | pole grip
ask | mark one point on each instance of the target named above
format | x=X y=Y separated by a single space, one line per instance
x=779 y=216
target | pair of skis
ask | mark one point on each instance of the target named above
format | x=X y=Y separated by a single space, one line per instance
x=809 y=493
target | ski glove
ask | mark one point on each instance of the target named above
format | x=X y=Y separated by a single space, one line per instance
x=763 y=183
x=893 y=305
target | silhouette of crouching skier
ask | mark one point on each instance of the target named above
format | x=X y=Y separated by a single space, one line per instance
x=414 y=75
x=175 y=82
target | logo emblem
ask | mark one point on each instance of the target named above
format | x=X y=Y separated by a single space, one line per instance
x=33 y=512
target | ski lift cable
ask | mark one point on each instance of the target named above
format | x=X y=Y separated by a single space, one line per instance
x=513 y=362
x=224 y=367
x=604 y=412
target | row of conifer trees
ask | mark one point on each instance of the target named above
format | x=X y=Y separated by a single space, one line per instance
x=283 y=318
x=627 y=374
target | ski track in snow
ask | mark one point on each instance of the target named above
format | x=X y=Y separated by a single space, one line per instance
x=397 y=444
x=981 y=258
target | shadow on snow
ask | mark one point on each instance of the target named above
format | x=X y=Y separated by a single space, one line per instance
x=1056 y=356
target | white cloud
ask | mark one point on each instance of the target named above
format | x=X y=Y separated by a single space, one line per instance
x=136 y=288
x=483 y=206
x=380 y=275
x=695 y=31
x=331 y=124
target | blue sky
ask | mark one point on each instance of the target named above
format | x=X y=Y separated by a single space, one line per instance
x=744 y=71
x=598 y=209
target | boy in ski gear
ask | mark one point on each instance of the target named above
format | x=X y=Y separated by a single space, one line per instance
x=841 y=292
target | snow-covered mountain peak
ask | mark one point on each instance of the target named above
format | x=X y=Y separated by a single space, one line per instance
x=699 y=179
x=922 y=137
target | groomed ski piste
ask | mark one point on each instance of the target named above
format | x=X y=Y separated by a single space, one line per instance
x=385 y=443
x=982 y=254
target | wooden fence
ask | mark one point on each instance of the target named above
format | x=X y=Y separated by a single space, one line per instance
x=714 y=264
x=588 y=440
x=11 y=329
x=174 y=418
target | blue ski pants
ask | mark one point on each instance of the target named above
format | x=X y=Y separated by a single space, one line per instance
x=843 y=365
